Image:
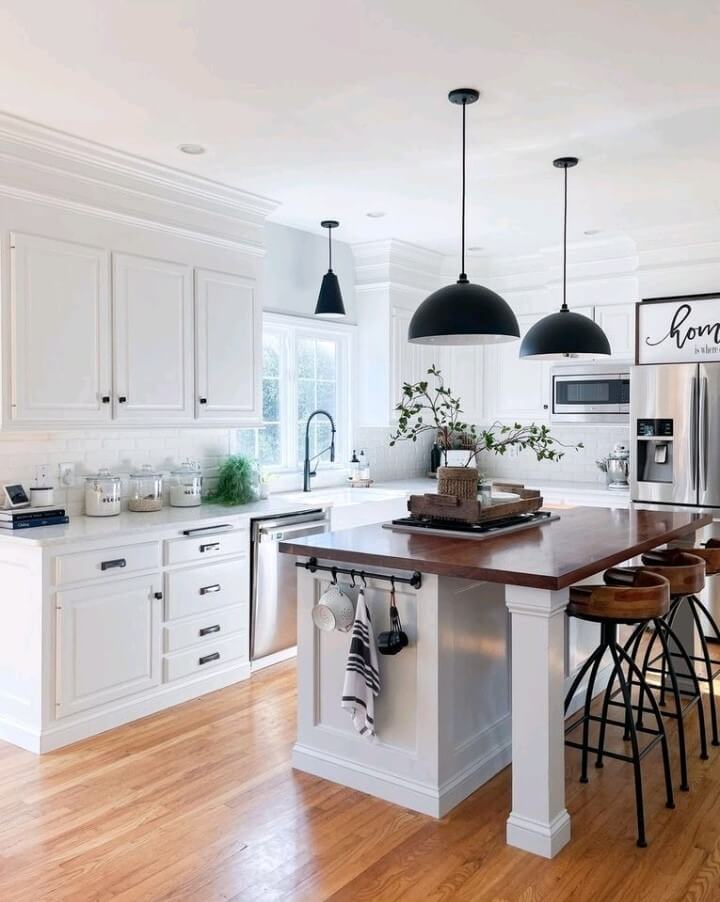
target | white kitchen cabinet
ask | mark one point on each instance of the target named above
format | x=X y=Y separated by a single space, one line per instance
x=228 y=342
x=153 y=330
x=516 y=388
x=60 y=324
x=108 y=642
x=618 y=322
x=464 y=377
x=410 y=362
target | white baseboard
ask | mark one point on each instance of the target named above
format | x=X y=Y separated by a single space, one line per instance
x=422 y=797
x=285 y=655
x=81 y=726
x=539 y=838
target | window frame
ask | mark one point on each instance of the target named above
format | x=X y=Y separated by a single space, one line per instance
x=288 y=328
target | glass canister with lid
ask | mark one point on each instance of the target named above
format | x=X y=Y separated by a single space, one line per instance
x=145 y=490
x=102 y=494
x=186 y=485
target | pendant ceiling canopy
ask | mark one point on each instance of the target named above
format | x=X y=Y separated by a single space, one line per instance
x=330 y=302
x=565 y=334
x=463 y=313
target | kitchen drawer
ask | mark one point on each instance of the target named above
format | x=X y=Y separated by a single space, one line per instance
x=200 y=660
x=200 y=589
x=206 y=629
x=207 y=545
x=107 y=563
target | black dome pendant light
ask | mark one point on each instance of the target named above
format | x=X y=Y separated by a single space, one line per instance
x=565 y=334
x=463 y=313
x=330 y=302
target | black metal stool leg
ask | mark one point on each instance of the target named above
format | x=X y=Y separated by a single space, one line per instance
x=581 y=673
x=636 y=637
x=708 y=673
x=586 y=714
x=639 y=807
x=644 y=670
x=660 y=631
x=696 y=688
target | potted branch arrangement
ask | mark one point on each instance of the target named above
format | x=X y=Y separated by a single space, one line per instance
x=425 y=408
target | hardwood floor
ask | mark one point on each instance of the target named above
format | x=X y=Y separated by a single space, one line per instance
x=200 y=803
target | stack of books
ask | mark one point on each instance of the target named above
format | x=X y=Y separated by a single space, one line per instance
x=29 y=517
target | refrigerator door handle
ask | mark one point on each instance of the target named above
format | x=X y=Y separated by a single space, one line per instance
x=703 y=434
x=692 y=437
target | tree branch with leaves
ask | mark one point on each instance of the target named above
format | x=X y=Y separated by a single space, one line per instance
x=425 y=408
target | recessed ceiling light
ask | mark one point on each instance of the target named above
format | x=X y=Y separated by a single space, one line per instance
x=591 y=232
x=376 y=214
x=193 y=149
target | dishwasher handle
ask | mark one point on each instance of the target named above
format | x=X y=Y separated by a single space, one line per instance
x=281 y=533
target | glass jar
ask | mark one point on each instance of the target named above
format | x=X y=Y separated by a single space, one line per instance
x=145 y=490
x=102 y=495
x=186 y=485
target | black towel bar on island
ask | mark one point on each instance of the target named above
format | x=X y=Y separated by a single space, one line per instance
x=312 y=565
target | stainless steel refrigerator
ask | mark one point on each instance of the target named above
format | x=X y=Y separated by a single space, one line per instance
x=675 y=427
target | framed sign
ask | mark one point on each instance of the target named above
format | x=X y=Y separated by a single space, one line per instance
x=678 y=329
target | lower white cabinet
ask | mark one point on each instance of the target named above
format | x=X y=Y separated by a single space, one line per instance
x=108 y=642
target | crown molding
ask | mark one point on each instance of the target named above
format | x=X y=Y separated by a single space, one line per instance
x=393 y=263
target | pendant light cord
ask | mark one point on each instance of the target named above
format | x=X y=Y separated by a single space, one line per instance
x=564 y=302
x=463 y=276
x=330 y=249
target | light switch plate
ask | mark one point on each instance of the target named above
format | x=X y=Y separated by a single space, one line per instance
x=66 y=475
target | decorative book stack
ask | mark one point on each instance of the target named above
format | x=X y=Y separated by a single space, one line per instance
x=30 y=517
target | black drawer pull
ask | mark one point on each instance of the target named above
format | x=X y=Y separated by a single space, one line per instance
x=211 y=546
x=110 y=565
x=215 y=656
x=203 y=400
x=122 y=399
x=206 y=630
x=209 y=590
x=158 y=595
x=201 y=529
x=106 y=399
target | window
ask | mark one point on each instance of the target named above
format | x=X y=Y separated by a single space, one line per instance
x=305 y=368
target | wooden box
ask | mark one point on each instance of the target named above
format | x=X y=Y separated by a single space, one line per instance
x=450 y=507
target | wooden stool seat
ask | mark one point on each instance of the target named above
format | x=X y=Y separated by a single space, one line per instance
x=685 y=571
x=710 y=553
x=628 y=595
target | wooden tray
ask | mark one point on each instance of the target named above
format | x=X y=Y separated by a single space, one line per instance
x=450 y=507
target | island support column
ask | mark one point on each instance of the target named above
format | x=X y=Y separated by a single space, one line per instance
x=538 y=821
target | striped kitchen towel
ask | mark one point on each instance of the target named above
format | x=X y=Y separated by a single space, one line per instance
x=362 y=677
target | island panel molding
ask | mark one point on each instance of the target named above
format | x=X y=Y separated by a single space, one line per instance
x=584 y=541
x=683 y=329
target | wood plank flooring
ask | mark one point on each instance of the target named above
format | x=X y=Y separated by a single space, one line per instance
x=200 y=803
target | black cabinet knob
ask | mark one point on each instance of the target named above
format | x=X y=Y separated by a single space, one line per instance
x=545 y=407
x=106 y=399
x=122 y=399
x=203 y=400
x=158 y=595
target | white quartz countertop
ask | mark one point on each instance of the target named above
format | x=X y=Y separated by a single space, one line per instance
x=128 y=523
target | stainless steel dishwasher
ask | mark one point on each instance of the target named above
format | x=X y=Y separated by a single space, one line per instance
x=273 y=615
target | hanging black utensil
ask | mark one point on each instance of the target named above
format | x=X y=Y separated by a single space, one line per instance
x=393 y=641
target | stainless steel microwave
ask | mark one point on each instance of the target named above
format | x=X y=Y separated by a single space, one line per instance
x=594 y=393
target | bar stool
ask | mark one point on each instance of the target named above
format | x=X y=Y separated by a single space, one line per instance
x=687 y=594
x=626 y=597
x=685 y=573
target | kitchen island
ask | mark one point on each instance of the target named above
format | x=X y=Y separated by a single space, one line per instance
x=472 y=691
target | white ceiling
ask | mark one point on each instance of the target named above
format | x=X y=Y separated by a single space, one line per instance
x=339 y=108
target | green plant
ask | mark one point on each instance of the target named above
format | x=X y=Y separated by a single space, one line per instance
x=434 y=409
x=236 y=481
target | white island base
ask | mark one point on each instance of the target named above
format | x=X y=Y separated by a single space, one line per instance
x=443 y=716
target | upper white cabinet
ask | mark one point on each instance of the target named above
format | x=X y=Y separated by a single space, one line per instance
x=60 y=325
x=409 y=362
x=148 y=346
x=618 y=322
x=463 y=375
x=515 y=389
x=152 y=315
x=228 y=340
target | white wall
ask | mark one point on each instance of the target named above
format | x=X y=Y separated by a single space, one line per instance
x=295 y=262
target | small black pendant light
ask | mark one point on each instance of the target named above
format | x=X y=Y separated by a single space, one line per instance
x=330 y=302
x=565 y=334
x=463 y=313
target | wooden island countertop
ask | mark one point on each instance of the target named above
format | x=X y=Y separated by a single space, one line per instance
x=584 y=541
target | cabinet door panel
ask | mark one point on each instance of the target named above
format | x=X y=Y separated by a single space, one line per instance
x=618 y=322
x=60 y=331
x=464 y=377
x=228 y=335
x=108 y=642
x=516 y=388
x=152 y=304
x=410 y=362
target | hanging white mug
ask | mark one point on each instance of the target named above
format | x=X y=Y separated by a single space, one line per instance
x=334 y=611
